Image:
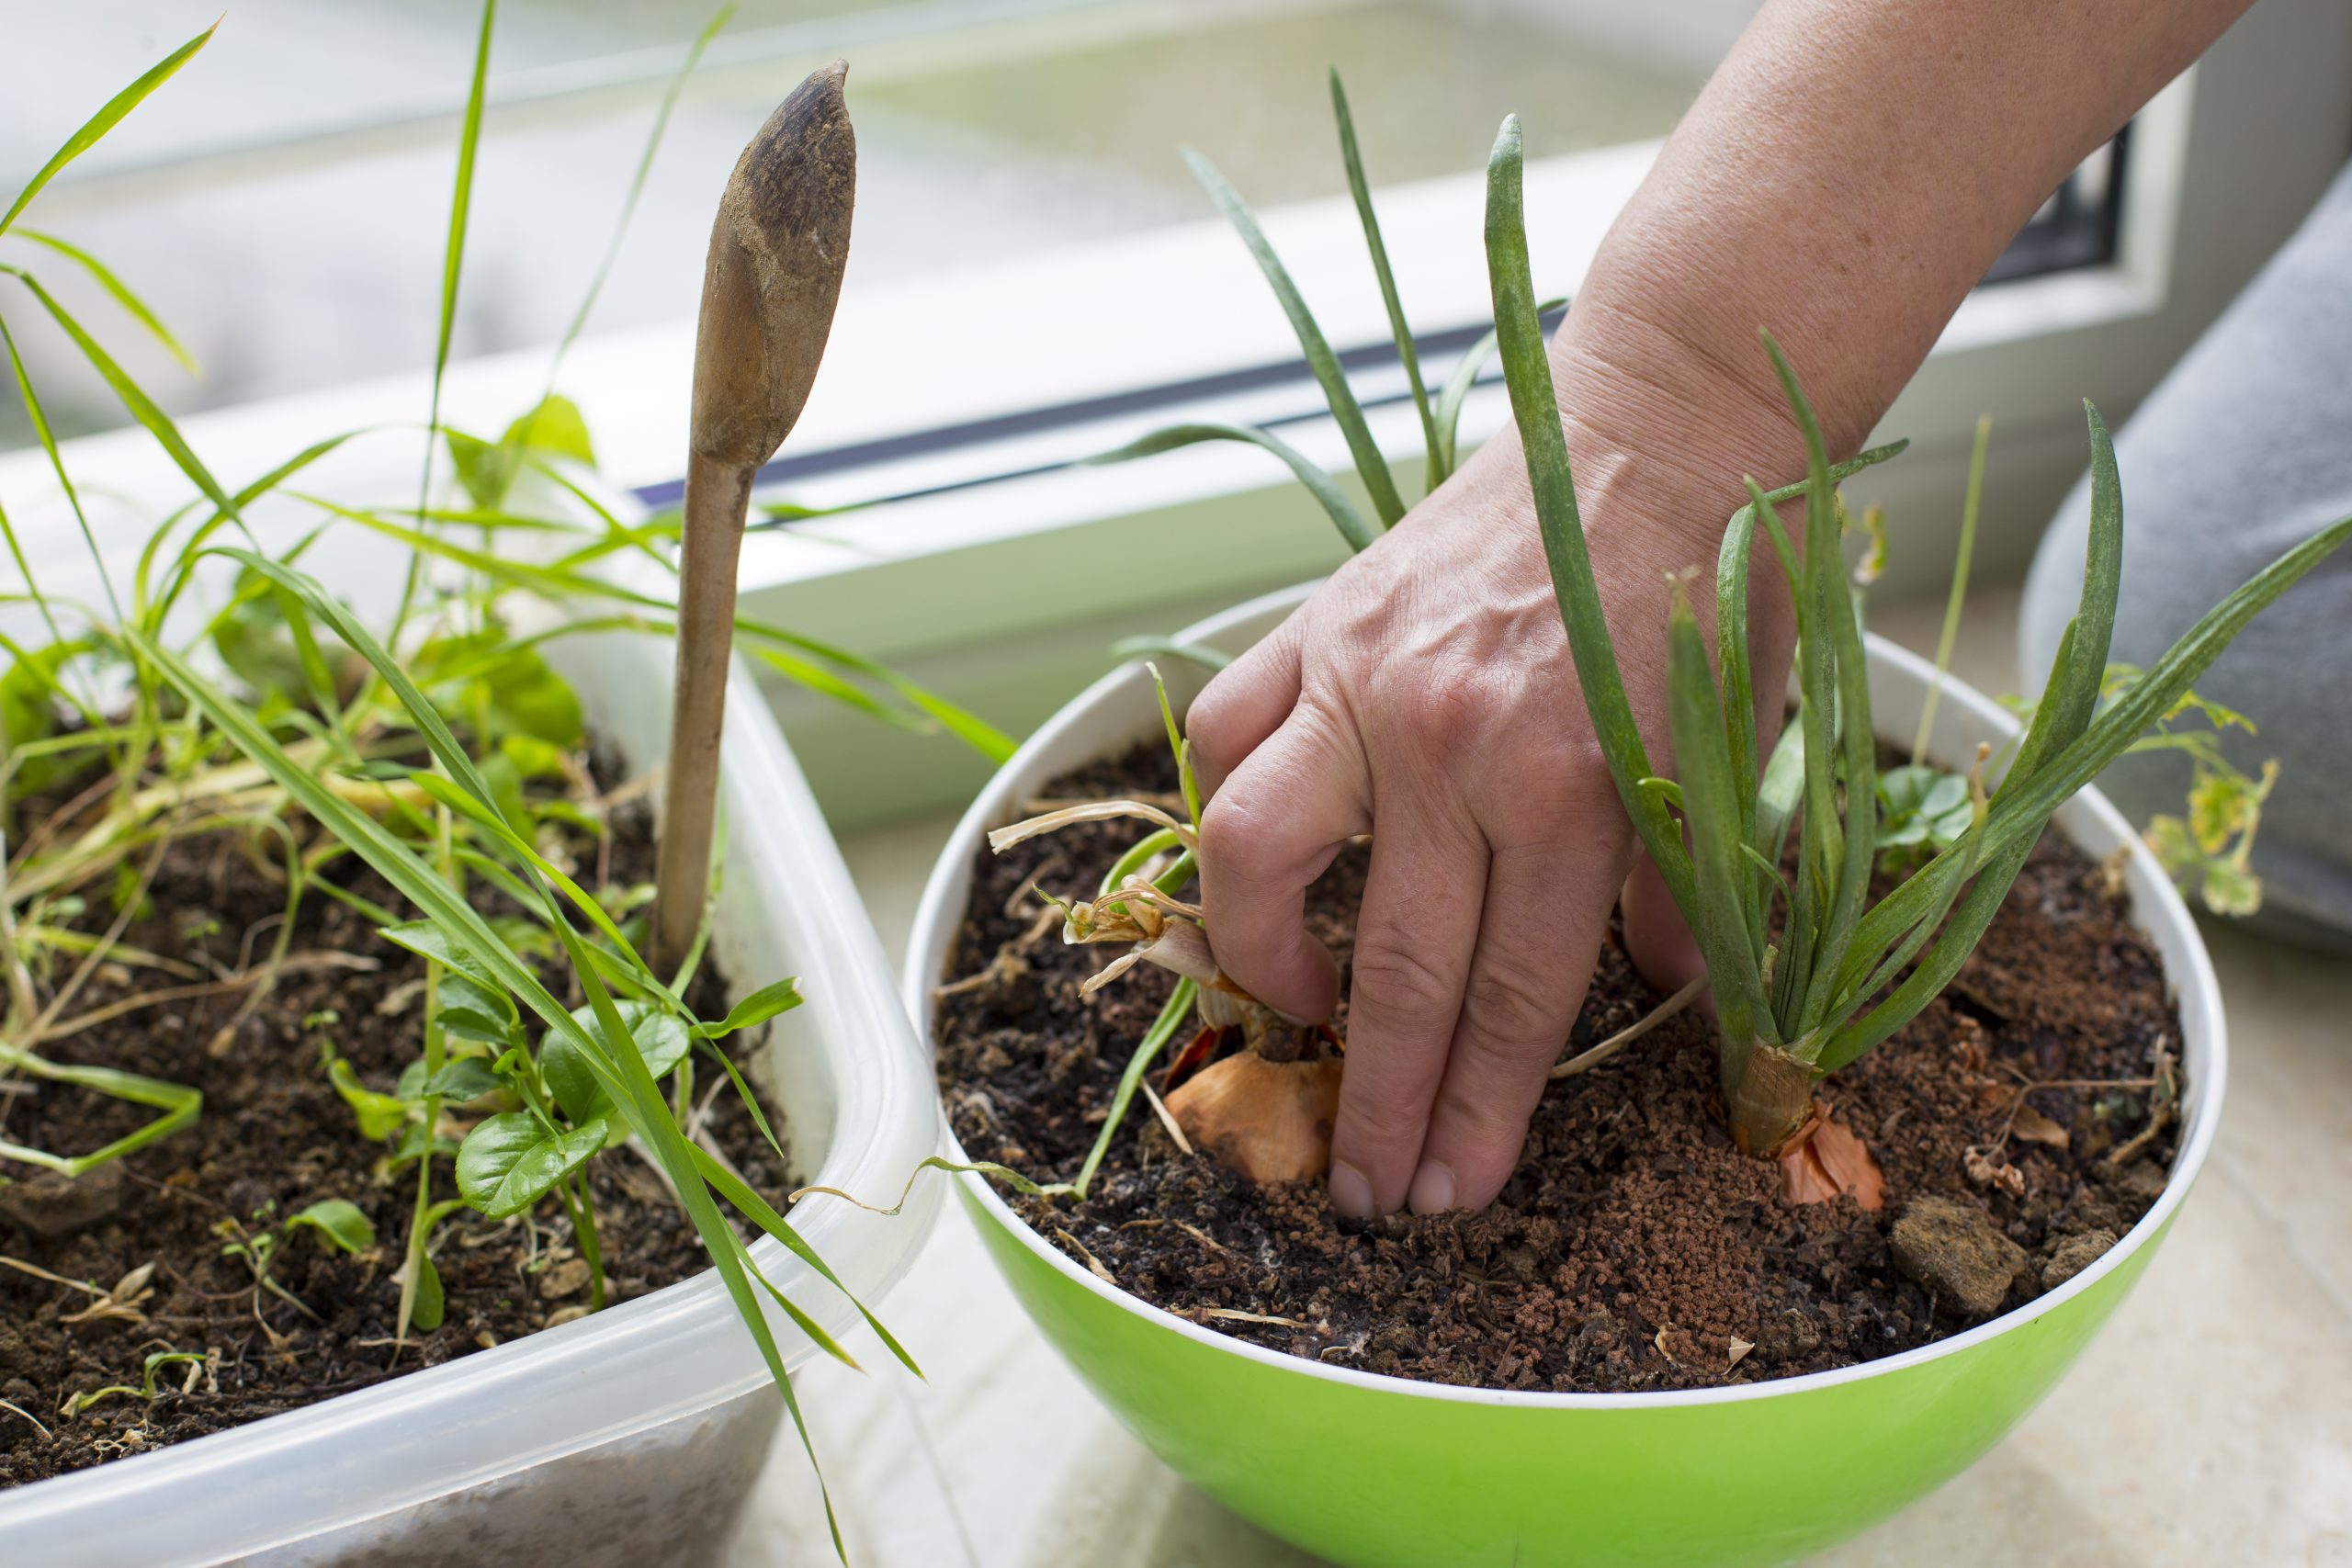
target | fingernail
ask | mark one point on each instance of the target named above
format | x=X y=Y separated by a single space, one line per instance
x=1351 y=1194
x=1432 y=1189
x=1296 y=1023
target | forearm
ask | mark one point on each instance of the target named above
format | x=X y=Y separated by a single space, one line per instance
x=1849 y=174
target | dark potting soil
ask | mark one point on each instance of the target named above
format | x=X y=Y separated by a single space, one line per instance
x=272 y=1138
x=1635 y=1247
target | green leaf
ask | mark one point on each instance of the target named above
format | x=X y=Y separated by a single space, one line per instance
x=637 y=184
x=458 y=990
x=661 y=1041
x=180 y=1106
x=428 y=939
x=1921 y=805
x=132 y=304
x=1710 y=811
x=1360 y=189
x=1527 y=373
x=1147 y=646
x=47 y=437
x=106 y=119
x=141 y=407
x=533 y=757
x=2217 y=809
x=462 y=202
x=1464 y=378
x=462 y=1079
x=426 y=1312
x=1344 y=516
x=481 y=673
x=2167 y=837
x=251 y=637
x=1172 y=1014
x=29 y=690
x=339 y=1220
x=758 y=1007
x=1370 y=466
x=2231 y=889
x=380 y=1115
x=554 y=428
x=510 y=1161
x=527 y=697
x=1836 y=678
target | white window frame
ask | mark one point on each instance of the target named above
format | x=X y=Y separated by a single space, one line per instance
x=1005 y=595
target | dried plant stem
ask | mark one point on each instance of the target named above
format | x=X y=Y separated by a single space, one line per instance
x=1585 y=1061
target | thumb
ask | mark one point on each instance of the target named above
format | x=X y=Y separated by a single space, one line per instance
x=1270 y=830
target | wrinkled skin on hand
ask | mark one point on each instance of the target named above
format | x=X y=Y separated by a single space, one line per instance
x=1425 y=695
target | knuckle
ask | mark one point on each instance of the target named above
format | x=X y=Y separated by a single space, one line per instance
x=1510 y=1009
x=1392 y=977
x=1553 y=797
x=1453 y=704
x=1380 y=1125
x=1233 y=828
x=1212 y=725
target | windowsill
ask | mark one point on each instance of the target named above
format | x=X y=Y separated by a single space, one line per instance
x=1005 y=593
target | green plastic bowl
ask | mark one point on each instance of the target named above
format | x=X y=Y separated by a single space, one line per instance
x=1383 y=1473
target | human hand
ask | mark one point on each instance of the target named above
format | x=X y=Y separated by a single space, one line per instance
x=1425 y=695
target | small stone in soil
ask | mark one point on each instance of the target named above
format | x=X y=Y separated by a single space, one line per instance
x=568 y=1278
x=1955 y=1250
x=2073 y=1255
x=50 y=1204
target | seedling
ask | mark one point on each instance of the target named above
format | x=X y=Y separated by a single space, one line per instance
x=1265 y=1108
x=198 y=1368
x=1921 y=808
x=220 y=691
x=1806 y=974
x=337 y=1221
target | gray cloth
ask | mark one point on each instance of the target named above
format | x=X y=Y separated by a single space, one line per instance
x=2241 y=452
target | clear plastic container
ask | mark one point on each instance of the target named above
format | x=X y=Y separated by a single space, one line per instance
x=629 y=1438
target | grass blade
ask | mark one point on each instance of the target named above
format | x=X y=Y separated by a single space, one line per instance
x=1350 y=522
x=2068 y=701
x=1360 y=189
x=1370 y=466
x=452 y=266
x=717 y=25
x=1950 y=633
x=1527 y=373
x=1147 y=646
x=132 y=304
x=1155 y=1040
x=141 y=407
x=1464 y=377
x=1711 y=793
x=106 y=119
x=48 y=439
x=1739 y=688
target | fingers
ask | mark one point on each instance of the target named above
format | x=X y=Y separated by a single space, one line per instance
x=1657 y=940
x=1538 y=935
x=1414 y=940
x=1270 y=830
x=1246 y=702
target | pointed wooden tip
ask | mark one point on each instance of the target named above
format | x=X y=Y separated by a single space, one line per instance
x=777 y=250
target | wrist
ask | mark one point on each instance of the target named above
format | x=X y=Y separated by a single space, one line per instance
x=1670 y=423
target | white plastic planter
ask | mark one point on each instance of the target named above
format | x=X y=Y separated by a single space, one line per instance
x=632 y=1438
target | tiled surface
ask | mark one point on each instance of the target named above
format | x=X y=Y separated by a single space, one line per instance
x=2211 y=1423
